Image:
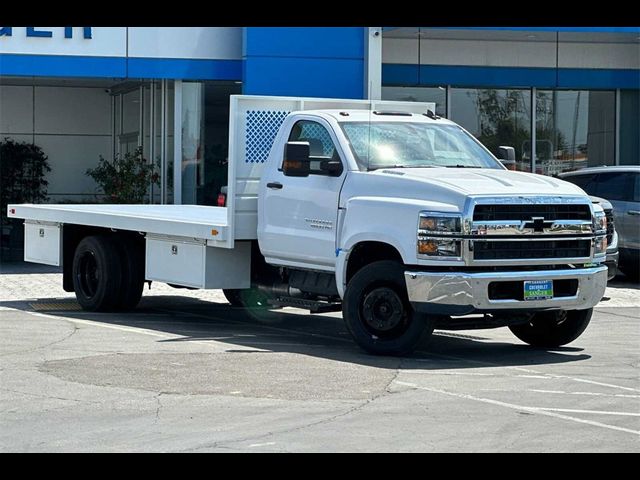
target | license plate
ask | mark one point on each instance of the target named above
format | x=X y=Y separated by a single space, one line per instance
x=538 y=289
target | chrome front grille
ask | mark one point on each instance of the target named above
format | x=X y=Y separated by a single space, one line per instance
x=523 y=212
x=543 y=230
x=511 y=250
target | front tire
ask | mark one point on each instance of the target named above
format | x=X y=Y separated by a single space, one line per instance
x=378 y=314
x=553 y=329
x=97 y=273
x=250 y=298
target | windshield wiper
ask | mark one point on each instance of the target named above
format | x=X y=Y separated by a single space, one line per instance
x=461 y=166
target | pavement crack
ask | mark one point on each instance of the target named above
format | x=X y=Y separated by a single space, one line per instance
x=52 y=397
x=40 y=347
x=387 y=388
x=159 y=405
x=355 y=409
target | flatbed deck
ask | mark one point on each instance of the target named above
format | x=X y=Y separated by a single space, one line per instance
x=192 y=221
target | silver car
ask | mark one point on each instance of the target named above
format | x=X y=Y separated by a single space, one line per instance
x=621 y=186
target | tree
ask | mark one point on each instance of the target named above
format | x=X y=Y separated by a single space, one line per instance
x=23 y=168
x=125 y=179
x=500 y=119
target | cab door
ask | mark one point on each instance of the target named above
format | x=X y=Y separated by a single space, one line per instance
x=299 y=214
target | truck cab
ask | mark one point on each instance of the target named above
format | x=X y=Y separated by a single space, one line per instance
x=415 y=199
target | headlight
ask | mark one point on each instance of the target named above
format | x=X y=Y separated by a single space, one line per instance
x=599 y=220
x=435 y=232
x=439 y=247
x=601 y=245
x=439 y=223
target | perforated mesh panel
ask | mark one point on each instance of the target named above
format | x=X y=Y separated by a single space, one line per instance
x=317 y=131
x=359 y=137
x=261 y=130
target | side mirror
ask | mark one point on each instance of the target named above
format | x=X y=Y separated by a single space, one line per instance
x=332 y=167
x=296 y=159
x=507 y=155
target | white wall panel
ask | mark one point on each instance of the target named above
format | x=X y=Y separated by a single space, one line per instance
x=186 y=42
x=105 y=42
x=599 y=55
x=85 y=111
x=400 y=50
x=69 y=157
x=487 y=53
x=16 y=109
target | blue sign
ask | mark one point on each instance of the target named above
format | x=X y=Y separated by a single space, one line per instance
x=32 y=32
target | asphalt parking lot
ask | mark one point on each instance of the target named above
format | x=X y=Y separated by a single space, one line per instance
x=186 y=372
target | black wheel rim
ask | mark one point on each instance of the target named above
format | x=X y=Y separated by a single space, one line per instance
x=88 y=274
x=383 y=313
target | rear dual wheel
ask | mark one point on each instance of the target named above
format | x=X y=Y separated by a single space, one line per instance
x=108 y=273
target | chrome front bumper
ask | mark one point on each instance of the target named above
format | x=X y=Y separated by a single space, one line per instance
x=459 y=293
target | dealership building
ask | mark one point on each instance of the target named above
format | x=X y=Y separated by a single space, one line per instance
x=564 y=98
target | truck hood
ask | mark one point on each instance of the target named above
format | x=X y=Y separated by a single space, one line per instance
x=453 y=186
x=481 y=181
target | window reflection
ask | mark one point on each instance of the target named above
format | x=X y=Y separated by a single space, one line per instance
x=438 y=95
x=574 y=129
x=497 y=117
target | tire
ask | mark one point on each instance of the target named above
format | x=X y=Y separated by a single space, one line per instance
x=377 y=312
x=553 y=329
x=233 y=296
x=97 y=273
x=632 y=273
x=132 y=265
x=247 y=298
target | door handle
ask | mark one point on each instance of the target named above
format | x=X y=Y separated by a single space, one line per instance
x=274 y=185
x=633 y=212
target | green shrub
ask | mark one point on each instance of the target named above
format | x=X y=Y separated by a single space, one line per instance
x=23 y=167
x=125 y=179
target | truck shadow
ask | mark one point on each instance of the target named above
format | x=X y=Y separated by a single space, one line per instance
x=298 y=332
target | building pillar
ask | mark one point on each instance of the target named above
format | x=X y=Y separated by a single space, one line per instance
x=373 y=63
x=326 y=62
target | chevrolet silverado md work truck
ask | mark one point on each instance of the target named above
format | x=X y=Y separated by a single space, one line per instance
x=398 y=217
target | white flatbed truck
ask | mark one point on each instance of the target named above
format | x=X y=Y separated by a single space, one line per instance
x=384 y=210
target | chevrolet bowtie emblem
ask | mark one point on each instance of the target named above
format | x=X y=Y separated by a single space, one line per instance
x=538 y=224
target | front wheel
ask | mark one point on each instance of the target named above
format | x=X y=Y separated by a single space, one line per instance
x=246 y=298
x=378 y=314
x=553 y=329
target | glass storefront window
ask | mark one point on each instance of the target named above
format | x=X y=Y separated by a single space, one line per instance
x=496 y=117
x=629 y=127
x=418 y=94
x=574 y=129
x=205 y=140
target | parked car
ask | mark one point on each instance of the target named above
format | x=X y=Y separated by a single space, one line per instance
x=612 y=237
x=621 y=186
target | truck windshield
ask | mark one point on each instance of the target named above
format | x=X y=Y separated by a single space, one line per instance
x=414 y=145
